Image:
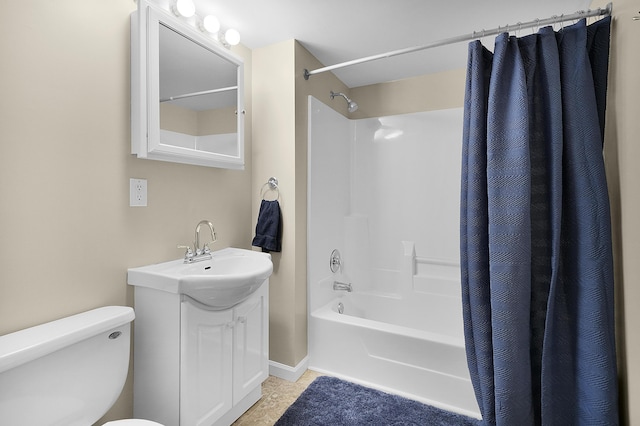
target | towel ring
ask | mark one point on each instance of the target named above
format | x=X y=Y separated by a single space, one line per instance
x=271 y=185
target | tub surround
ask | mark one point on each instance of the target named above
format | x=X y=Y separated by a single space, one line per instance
x=390 y=314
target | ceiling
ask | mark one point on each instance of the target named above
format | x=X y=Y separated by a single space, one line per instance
x=336 y=31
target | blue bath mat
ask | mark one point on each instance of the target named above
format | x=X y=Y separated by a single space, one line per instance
x=333 y=402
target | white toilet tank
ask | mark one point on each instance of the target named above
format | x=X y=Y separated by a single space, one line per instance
x=67 y=372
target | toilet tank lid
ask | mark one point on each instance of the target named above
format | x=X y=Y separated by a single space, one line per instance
x=26 y=345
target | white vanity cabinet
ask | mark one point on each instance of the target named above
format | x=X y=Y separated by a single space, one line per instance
x=194 y=365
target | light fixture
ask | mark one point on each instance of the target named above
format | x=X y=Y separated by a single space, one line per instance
x=232 y=36
x=210 y=24
x=184 y=8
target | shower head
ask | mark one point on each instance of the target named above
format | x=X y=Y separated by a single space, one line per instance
x=351 y=106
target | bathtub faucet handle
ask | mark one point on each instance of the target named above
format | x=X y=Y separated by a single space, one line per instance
x=335 y=261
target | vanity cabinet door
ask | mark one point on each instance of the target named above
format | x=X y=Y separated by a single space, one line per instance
x=206 y=364
x=251 y=356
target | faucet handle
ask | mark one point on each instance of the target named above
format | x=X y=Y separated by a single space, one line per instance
x=188 y=254
x=206 y=249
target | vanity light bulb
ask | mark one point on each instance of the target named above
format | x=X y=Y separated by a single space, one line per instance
x=184 y=8
x=211 y=24
x=232 y=36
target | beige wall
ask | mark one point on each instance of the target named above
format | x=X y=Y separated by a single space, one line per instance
x=279 y=151
x=198 y=123
x=273 y=155
x=68 y=233
x=178 y=119
x=217 y=121
x=424 y=93
x=622 y=151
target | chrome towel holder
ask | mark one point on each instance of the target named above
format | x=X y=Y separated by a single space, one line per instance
x=271 y=185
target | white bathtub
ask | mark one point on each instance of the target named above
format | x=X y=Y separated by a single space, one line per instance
x=395 y=345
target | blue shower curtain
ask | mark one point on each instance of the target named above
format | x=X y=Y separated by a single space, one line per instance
x=536 y=260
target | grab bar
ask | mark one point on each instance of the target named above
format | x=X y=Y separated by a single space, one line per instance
x=338 y=286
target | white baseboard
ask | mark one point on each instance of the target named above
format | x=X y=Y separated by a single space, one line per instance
x=286 y=372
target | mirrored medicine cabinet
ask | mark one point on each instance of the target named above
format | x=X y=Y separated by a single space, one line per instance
x=186 y=93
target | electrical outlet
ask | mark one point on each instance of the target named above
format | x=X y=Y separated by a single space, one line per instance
x=138 y=192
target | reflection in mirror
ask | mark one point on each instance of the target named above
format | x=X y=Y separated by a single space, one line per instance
x=186 y=93
x=197 y=105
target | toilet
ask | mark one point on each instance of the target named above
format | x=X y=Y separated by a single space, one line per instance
x=67 y=372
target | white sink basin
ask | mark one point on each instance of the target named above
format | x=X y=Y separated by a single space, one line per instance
x=224 y=281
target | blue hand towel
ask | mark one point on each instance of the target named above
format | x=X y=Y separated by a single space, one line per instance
x=269 y=227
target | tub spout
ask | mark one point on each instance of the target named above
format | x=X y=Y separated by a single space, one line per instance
x=338 y=286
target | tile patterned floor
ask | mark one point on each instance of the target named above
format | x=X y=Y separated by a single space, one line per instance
x=277 y=395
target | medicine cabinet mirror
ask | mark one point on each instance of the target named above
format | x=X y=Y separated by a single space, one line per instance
x=186 y=93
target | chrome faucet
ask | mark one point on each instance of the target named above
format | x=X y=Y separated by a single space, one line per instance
x=205 y=248
x=199 y=253
x=338 y=286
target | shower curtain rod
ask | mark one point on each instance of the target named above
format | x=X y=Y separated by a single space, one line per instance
x=467 y=37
